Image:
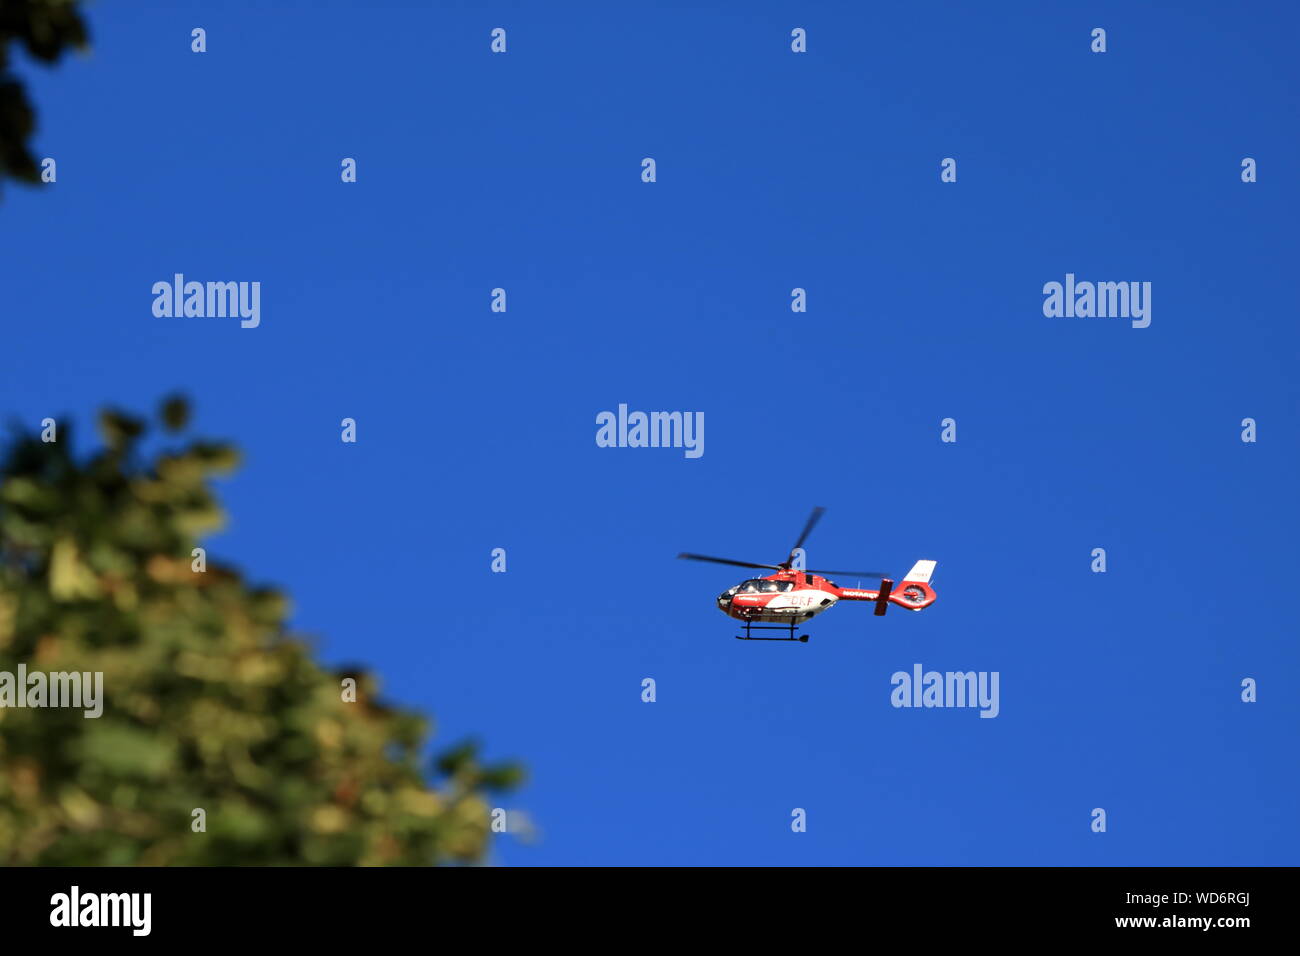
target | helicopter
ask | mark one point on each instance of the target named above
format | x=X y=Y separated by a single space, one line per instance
x=792 y=596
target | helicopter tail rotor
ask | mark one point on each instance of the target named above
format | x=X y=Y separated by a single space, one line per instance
x=914 y=591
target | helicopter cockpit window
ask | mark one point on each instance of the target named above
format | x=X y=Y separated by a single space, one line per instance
x=750 y=587
x=772 y=587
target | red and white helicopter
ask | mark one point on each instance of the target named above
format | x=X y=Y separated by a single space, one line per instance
x=793 y=595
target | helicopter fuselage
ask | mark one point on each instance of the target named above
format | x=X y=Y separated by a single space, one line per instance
x=791 y=597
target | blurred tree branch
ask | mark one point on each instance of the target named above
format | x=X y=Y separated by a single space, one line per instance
x=45 y=29
x=208 y=701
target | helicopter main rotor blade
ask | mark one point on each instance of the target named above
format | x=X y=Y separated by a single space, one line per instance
x=738 y=564
x=850 y=574
x=807 y=528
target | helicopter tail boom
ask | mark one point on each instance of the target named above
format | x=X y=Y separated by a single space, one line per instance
x=913 y=592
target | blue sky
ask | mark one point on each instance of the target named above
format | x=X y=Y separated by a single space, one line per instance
x=775 y=170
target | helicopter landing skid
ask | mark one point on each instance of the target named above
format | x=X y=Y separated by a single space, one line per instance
x=790 y=629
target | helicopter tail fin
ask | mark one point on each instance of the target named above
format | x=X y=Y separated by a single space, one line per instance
x=920 y=573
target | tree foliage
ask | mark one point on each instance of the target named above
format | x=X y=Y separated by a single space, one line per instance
x=46 y=29
x=208 y=701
